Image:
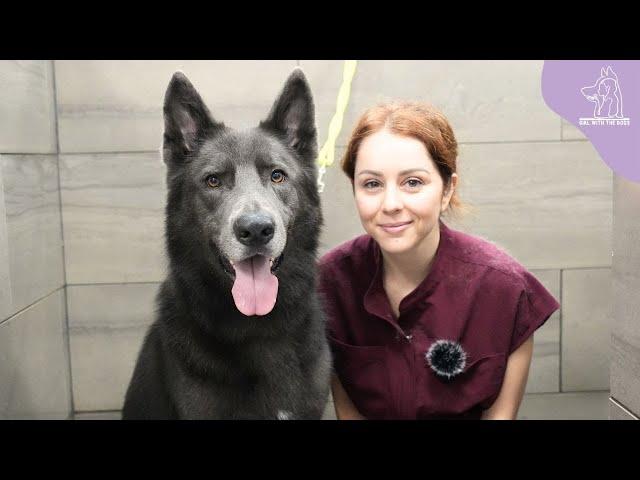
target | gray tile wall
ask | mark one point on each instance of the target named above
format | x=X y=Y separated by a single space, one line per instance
x=485 y=101
x=27 y=107
x=34 y=363
x=113 y=217
x=116 y=106
x=625 y=336
x=34 y=232
x=34 y=346
x=586 y=329
x=107 y=324
x=548 y=204
x=536 y=186
x=544 y=373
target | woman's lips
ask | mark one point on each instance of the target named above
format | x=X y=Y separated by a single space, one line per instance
x=394 y=227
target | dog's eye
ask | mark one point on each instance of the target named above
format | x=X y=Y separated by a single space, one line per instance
x=278 y=176
x=213 y=181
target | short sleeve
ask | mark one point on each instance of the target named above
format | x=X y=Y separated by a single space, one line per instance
x=535 y=306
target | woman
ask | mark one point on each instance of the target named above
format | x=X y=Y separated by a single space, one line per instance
x=424 y=321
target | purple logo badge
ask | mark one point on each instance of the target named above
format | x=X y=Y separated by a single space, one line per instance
x=589 y=95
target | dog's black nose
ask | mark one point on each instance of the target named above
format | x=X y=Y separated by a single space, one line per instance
x=254 y=229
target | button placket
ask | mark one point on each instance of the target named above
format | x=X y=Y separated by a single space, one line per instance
x=405 y=378
x=401 y=334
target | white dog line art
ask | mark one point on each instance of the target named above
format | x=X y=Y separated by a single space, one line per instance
x=605 y=92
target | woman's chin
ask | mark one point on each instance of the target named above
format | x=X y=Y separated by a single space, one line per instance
x=395 y=245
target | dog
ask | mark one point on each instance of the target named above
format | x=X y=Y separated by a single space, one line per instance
x=239 y=332
x=605 y=92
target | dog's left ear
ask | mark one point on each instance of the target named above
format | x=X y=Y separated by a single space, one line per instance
x=186 y=120
x=292 y=116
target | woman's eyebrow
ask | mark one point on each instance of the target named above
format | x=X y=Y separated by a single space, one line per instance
x=411 y=170
x=403 y=172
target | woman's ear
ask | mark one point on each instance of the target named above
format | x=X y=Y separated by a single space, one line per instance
x=448 y=193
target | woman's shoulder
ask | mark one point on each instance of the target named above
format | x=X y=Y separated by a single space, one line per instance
x=503 y=281
x=484 y=254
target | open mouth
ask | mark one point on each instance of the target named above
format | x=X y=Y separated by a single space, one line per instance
x=255 y=287
x=228 y=266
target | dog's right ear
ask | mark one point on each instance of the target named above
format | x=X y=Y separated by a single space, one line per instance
x=292 y=116
x=186 y=119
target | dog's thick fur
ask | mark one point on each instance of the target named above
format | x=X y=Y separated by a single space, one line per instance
x=202 y=358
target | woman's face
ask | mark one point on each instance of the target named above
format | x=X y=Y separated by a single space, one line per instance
x=398 y=191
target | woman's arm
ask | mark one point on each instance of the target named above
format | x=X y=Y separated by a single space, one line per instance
x=515 y=380
x=345 y=409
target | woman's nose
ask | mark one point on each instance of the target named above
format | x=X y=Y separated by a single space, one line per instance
x=392 y=201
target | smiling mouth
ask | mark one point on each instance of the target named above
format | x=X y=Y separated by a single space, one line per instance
x=394 y=227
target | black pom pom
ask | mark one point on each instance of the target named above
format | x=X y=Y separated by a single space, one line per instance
x=446 y=358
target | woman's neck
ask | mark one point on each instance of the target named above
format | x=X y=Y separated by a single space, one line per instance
x=413 y=266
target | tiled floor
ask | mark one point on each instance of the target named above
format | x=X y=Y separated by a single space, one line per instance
x=565 y=406
x=538 y=406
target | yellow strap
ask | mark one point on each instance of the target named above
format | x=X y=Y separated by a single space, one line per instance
x=327 y=152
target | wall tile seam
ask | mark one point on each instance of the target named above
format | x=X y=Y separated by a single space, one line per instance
x=338 y=146
x=560 y=318
x=67 y=337
x=102 y=284
x=31 y=305
x=4 y=227
x=619 y=404
x=570 y=392
x=159 y=281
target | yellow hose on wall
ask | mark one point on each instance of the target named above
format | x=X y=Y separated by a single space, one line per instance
x=327 y=152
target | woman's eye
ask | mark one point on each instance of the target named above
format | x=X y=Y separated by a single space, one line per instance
x=414 y=182
x=213 y=181
x=278 y=176
x=371 y=184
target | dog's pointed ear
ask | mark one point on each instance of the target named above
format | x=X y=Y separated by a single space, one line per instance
x=186 y=119
x=292 y=116
x=602 y=72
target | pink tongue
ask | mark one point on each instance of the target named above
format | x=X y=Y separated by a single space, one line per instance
x=255 y=288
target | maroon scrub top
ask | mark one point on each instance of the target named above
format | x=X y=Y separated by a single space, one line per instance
x=475 y=294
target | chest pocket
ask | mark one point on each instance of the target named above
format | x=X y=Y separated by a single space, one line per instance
x=477 y=386
x=364 y=374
